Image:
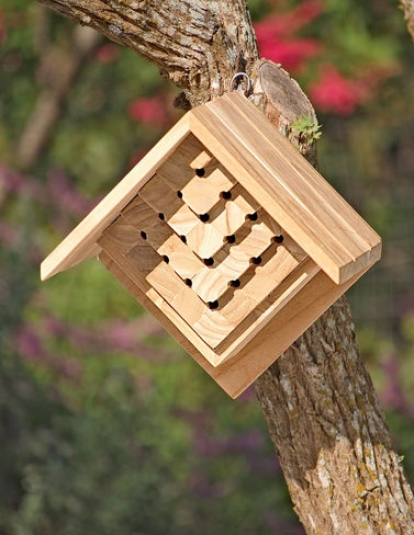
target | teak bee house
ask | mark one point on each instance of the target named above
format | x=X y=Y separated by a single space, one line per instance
x=228 y=236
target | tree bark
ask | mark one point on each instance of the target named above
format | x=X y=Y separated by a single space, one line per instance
x=408 y=8
x=323 y=413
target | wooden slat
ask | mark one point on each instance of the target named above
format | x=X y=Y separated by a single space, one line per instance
x=80 y=243
x=306 y=206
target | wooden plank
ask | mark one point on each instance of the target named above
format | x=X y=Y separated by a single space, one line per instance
x=307 y=209
x=80 y=243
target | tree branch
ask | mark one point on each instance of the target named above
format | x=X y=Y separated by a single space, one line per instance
x=408 y=8
x=197 y=45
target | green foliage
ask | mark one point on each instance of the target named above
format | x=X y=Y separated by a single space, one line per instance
x=307 y=129
x=106 y=425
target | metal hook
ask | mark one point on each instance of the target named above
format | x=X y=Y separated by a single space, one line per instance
x=248 y=80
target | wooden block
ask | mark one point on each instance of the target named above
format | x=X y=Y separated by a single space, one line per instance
x=144 y=258
x=203 y=193
x=161 y=198
x=181 y=259
x=210 y=284
x=178 y=170
x=204 y=240
x=183 y=220
x=201 y=160
x=174 y=291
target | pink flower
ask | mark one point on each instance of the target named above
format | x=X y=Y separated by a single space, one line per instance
x=275 y=36
x=334 y=93
x=148 y=110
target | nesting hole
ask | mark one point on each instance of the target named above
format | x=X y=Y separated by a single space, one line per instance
x=180 y=194
x=208 y=261
x=252 y=217
x=183 y=238
x=278 y=239
x=200 y=172
x=225 y=195
x=230 y=239
x=161 y=216
x=188 y=282
x=235 y=283
x=143 y=235
x=166 y=259
x=212 y=305
x=204 y=217
x=256 y=260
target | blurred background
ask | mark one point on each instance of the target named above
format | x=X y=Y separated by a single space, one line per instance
x=106 y=426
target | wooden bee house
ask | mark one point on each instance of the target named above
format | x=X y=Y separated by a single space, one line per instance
x=228 y=236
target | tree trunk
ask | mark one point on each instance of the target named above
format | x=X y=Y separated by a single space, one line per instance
x=323 y=413
x=408 y=8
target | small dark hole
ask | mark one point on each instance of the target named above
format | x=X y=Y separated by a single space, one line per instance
x=252 y=217
x=188 y=282
x=161 y=216
x=166 y=259
x=183 y=239
x=278 y=239
x=143 y=235
x=230 y=239
x=213 y=304
x=226 y=194
x=256 y=260
x=209 y=261
x=200 y=172
x=235 y=283
x=180 y=194
x=204 y=217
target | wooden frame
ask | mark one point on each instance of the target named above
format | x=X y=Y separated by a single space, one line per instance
x=229 y=237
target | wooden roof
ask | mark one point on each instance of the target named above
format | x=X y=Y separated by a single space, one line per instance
x=265 y=164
